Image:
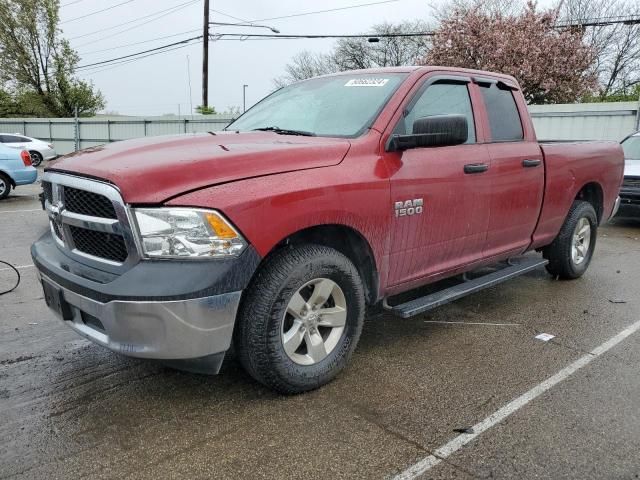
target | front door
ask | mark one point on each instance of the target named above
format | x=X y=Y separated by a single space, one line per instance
x=440 y=206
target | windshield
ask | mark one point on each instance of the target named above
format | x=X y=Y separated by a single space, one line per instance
x=334 y=106
x=631 y=147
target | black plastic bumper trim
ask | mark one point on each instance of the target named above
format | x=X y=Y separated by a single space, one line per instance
x=148 y=280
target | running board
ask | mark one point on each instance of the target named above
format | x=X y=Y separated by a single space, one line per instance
x=516 y=267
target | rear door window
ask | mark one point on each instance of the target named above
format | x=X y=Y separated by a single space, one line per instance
x=504 y=119
x=12 y=139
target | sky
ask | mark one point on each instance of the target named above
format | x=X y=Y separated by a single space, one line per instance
x=160 y=84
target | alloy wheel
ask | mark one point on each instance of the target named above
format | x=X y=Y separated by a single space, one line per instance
x=581 y=241
x=314 y=321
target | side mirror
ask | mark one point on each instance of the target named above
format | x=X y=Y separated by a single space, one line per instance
x=434 y=131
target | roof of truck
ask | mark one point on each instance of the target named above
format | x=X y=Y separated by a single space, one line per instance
x=426 y=68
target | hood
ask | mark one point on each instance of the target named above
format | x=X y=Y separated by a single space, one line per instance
x=153 y=169
x=631 y=168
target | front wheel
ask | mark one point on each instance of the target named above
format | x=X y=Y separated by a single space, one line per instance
x=570 y=253
x=301 y=318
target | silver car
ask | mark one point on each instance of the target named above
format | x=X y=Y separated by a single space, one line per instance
x=630 y=191
x=38 y=149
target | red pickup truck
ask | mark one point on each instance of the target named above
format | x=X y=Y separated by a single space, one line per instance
x=327 y=196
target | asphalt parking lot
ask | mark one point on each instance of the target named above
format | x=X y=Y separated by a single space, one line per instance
x=71 y=409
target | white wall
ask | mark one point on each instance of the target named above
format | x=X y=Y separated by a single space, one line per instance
x=585 y=121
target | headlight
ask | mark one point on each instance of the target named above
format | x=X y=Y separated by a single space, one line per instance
x=186 y=233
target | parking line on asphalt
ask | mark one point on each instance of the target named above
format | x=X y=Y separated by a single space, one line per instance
x=499 y=415
x=475 y=323
x=19 y=267
x=21 y=211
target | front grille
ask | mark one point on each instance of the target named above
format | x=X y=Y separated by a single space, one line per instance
x=631 y=182
x=99 y=244
x=48 y=191
x=56 y=230
x=89 y=221
x=88 y=203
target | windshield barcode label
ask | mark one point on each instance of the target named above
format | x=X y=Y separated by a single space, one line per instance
x=367 y=82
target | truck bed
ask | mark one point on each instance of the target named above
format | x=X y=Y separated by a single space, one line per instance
x=570 y=165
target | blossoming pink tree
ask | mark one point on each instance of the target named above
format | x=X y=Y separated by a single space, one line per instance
x=552 y=65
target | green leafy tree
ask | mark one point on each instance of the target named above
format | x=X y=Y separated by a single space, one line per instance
x=37 y=65
x=626 y=95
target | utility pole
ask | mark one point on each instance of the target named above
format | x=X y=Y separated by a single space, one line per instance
x=189 y=80
x=638 y=114
x=205 y=56
x=76 y=130
x=244 y=98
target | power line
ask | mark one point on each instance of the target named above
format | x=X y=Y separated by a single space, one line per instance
x=231 y=16
x=113 y=65
x=96 y=12
x=251 y=36
x=170 y=10
x=241 y=36
x=138 y=43
x=302 y=14
x=132 y=60
x=181 y=42
x=601 y=22
x=71 y=3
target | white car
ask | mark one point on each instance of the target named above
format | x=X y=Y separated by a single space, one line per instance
x=630 y=191
x=38 y=149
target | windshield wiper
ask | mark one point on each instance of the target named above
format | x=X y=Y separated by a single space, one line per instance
x=285 y=131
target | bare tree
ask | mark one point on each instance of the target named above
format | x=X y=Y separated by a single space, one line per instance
x=392 y=51
x=486 y=7
x=617 y=47
x=359 y=53
x=305 y=65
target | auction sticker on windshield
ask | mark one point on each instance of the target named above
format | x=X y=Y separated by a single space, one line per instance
x=367 y=82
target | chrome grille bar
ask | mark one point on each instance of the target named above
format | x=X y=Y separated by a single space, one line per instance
x=112 y=237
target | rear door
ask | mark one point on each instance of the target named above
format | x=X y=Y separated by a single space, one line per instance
x=440 y=213
x=517 y=170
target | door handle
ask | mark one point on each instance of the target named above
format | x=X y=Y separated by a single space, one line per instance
x=476 y=168
x=531 y=163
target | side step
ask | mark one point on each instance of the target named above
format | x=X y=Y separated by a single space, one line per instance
x=515 y=267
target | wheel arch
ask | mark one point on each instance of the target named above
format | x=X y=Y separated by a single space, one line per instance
x=346 y=240
x=592 y=193
x=9 y=177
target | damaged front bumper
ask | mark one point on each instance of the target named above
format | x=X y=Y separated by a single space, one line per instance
x=182 y=313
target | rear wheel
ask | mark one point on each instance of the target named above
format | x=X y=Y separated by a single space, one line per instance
x=5 y=186
x=301 y=319
x=36 y=158
x=570 y=253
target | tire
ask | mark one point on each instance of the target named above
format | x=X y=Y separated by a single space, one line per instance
x=266 y=322
x=36 y=158
x=5 y=186
x=567 y=260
